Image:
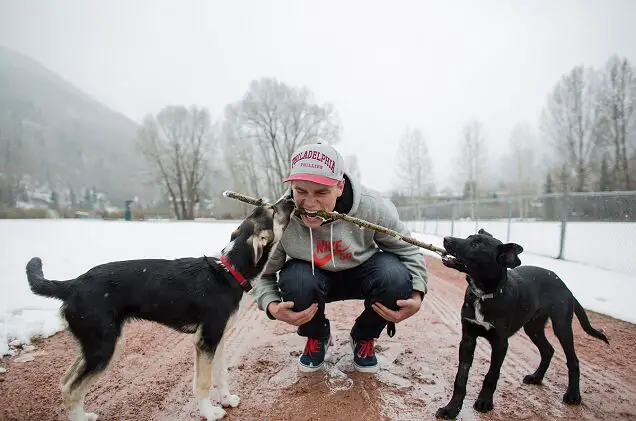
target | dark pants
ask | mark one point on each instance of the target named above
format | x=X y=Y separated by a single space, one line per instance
x=382 y=278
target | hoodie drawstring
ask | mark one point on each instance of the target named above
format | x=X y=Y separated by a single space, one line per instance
x=333 y=256
x=311 y=246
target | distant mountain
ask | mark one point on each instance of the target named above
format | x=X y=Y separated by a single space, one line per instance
x=51 y=133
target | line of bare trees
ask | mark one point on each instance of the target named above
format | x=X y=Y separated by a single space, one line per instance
x=249 y=147
x=586 y=141
x=590 y=122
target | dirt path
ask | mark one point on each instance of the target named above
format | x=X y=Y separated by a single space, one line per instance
x=152 y=379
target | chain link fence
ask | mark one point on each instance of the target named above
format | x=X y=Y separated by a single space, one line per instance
x=598 y=228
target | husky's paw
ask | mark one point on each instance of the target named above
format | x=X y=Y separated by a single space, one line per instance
x=230 y=400
x=209 y=411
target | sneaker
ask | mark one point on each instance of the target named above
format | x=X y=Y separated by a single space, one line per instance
x=313 y=356
x=364 y=358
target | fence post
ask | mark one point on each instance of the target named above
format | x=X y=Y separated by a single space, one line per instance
x=509 y=219
x=564 y=219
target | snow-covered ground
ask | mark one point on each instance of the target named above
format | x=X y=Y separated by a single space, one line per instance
x=69 y=247
x=608 y=245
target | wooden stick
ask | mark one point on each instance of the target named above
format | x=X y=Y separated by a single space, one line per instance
x=336 y=215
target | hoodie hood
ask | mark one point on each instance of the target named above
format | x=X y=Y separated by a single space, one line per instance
x=349 y=201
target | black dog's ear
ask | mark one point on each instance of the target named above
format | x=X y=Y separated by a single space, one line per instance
x=508 y=255
x=484 y=232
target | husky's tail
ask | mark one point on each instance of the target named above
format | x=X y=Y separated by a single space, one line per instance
x=42 y=286
x=585 y=323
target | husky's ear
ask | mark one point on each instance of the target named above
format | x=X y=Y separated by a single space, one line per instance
x=258 y=243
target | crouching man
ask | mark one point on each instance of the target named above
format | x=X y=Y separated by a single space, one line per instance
x=318 y=262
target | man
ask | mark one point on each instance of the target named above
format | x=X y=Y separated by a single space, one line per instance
x=324 y=261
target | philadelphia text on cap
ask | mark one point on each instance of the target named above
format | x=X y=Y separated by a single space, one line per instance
x=318 y=156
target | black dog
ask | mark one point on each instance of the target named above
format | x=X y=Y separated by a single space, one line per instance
x=498 y=302
x=192 y=295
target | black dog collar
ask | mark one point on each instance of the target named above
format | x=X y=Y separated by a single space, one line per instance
x=479 y=293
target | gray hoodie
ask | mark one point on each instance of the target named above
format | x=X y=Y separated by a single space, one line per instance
x=339 y=245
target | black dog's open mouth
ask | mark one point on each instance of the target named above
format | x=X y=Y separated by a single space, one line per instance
x=453 y=263
x=449 y=260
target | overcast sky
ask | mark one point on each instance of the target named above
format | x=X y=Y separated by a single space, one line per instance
x=384 y=65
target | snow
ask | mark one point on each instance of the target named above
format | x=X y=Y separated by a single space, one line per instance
x=69 y=247
x=597 y=289
x=608 y=245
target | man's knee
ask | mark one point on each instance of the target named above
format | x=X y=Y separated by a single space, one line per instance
x=298 y=284
x=393 y=279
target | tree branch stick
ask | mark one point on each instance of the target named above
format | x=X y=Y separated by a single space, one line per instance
x=336 y=215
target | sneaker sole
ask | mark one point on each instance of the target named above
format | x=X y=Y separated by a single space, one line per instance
x=306 y=369
x=362 y=369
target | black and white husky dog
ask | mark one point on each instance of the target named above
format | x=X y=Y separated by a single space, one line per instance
x=192 y=295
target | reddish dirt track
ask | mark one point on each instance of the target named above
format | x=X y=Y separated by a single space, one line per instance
x=152 y=378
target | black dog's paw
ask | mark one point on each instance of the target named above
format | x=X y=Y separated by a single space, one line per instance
x=532 y=379
x=572 y=397
x=447 y=412
x=483 y=404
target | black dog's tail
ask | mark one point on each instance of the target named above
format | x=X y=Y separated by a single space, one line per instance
x=42 y=286
x=585 y=323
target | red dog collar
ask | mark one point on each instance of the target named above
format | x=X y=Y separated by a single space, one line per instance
x=244 y=283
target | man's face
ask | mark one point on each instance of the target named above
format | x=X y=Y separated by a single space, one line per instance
x=313 y=197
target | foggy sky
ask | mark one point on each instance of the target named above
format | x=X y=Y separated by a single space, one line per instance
x=385 y=66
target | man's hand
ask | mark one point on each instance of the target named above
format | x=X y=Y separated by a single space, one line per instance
x=407 y=308
x=283 y=312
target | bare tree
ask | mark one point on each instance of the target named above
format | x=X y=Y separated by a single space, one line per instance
x=619 y=115
x=177 y=142
x=414 y=169
x=273 y=119
x=239 y=154
x=521 y=164
x=571 y=120
x=472 y=159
